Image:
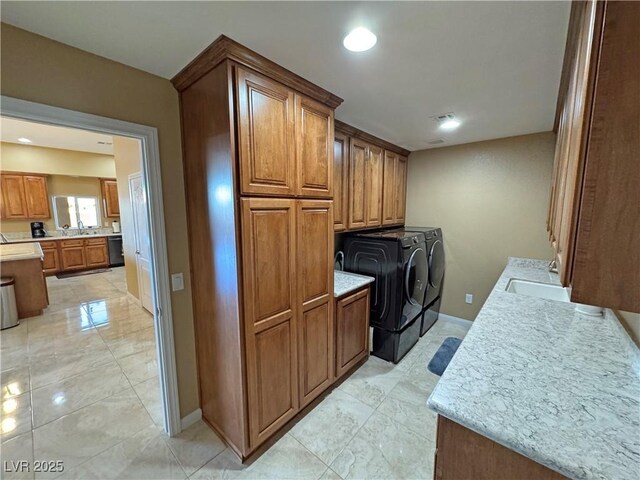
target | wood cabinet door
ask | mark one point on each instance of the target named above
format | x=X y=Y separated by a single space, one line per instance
x=96 y=254
x=37 y=196
x=269 y=279
x=314 y=152
x=373 y=186
x=315 y=297
x=401 y=189
x=352 y=330
x=51 y=261
x=340 y=181
x=110 y=200
x=266 y=135
x=359 y=151
x=72 y=258
x=389 y=186
x=14 y=202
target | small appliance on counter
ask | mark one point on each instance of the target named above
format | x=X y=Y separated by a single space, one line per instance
x=37 y=230
x=115 y=226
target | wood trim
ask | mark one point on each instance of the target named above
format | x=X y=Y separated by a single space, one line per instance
x=367 y=137
x=224 y=48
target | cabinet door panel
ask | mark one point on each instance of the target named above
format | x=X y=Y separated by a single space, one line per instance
x=373 y=186
x=14 y=202
x=352 y=330
x=357 y=191
x=110 y=198
x=37 y=196
x=96 y=255
x=401 y=189
x=51 y=261
x=314 y=127
x=315 y=351
x=340 y=181
x=389 y=193
x=73 y=258
x=265 y=135
x=268 y=239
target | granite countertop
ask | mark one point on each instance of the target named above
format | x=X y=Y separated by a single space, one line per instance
x=61 y=237
x=20 y=251
x=346 y=282
x=539 y=378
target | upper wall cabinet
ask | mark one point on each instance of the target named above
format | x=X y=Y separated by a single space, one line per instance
x=375 y=172
x=594 y=213
x=24 y=197
x=314 y=122
x=110 y=197
x=340 y=181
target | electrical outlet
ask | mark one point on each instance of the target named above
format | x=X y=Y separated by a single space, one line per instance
x=177 y=282
x=468 y=298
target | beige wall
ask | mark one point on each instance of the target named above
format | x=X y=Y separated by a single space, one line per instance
x=128 y=161
x=490 y=199
x=61 y=185
x=631 y=322
x=41 y=70
x=32 y=159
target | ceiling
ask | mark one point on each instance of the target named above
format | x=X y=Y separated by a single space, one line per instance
x=42 y=135
x=496 y=65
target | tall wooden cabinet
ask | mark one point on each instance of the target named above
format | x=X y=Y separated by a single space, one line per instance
x=258 y=147
x=594 y=212
x=110 y=198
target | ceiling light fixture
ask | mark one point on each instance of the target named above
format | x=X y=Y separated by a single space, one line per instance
x=359 y=40
x=24 y=140
x=447 y=121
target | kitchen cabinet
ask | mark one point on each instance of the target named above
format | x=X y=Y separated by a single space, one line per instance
x=375 y=173
x=258 y=146
x=314 y=123
x=314 y=247
x=594 y=213
x=24 y=196
x=111 y=203
x=96 y=252
x=266 y=135
x=51 y=260
x=352 y=330
x=340 y=181
x=72 y=255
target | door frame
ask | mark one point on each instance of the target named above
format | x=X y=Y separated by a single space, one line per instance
x=151 y=176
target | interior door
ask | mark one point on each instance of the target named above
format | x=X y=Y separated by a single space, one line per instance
x=139 y=206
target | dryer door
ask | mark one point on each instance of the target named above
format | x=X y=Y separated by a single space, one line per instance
x=436 y=265
x=416 y=278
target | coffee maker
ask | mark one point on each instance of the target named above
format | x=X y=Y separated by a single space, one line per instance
x=37 y=230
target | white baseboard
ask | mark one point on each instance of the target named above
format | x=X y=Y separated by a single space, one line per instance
x=134 y=299
x=190 y=419
x=457 y=320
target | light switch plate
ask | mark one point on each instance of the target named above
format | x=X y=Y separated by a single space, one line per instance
x=468 y=298
x=177 y=282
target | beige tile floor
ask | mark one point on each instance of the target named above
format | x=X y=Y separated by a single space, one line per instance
x=80 y=385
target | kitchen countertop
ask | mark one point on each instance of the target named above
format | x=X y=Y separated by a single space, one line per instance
x=20 y=251
x=347 y=282
x=61 y=237
x=556 y=386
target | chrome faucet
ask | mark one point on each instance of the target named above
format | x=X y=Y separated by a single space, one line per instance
x=339 y=254
x=553 y=266
x=80 y=227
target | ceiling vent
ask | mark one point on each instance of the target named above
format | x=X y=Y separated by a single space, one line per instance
x=105 y=143
x=443 y=117
x=435 y=141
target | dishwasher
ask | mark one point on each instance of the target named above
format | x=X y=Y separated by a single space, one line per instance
x=116 y=254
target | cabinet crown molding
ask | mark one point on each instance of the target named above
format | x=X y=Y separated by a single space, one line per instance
x=224 y=48
x=367 y=137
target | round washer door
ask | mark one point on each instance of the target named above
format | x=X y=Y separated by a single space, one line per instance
x=436 y=264
x=416 y=276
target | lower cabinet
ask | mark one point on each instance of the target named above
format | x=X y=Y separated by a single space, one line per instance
x=96 y=253
x=74 y=254
x=51 y=260
x=352 y=330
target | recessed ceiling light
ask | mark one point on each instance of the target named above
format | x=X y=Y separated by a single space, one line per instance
x=450 y=124
x=24 y=140
x=359 y=40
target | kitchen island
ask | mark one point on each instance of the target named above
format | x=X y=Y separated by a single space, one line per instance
x=535 y=377
x=23 y=262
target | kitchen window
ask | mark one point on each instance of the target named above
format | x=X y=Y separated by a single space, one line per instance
x=76 y=212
